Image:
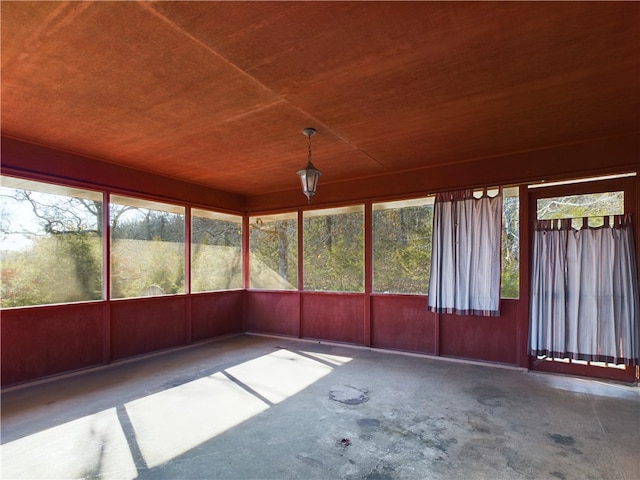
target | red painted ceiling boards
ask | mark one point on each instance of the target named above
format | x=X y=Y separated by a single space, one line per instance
x=218 y=93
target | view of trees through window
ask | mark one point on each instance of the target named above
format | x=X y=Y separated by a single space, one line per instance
x=147 y=248
x=591 y=205
x=594 y=207
x=333 y=254
x=51 y=244
x=273 y=252
x=510 y=279
x=402 y=246
x=216 y=251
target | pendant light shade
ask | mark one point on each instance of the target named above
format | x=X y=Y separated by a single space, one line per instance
x=309 y=175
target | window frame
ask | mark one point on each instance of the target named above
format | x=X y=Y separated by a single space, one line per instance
x=212 y=215
x=72 y=191
x=625 y=183
x=359 y=208
x=156 y=206
x=396 y=205
x=290 y=215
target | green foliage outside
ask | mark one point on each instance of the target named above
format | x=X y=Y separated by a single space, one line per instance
x=578 y=206
x=216 y=254
x=56 y=269
x=147 y=251
x=273 y=245
x=63 y=262
x=137 y=265
x=334 y=252
x=510 y=281
x=60 y=254
x=402 y=249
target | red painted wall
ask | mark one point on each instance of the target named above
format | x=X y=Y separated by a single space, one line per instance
x=40 y=163
x=215 y=314
x=627 y=375
x=337 y=317
x=275 y=313
x=402 y=322
x=596 y=157
x=492 y=339
x=42 y=341
x=144 y=325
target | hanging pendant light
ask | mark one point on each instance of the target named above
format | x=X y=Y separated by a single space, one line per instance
x=309 y=175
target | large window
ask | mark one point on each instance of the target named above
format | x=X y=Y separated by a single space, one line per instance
x=52 y=247
x=147 y=248
x=216 y=251
x=402 y=246
x=273 y=252
x=51 y=244
x=334 y=249
x=584 y=291
x=510 y=280
x=593 y=206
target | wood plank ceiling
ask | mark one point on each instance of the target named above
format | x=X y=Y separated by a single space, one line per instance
x=218 y=93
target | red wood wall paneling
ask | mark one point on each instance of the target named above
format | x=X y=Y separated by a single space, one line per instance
x=41 y=162
x=402 y=322
x=596 y=157
x=627 y=374
x=481 y=338
x=335 y=317
x=42 y=341
x=144 y=325
x=216 y=314
x=276 y=313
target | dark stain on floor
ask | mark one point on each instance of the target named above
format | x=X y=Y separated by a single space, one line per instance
x=489 y=396
x=566 y=440
x=368 y=423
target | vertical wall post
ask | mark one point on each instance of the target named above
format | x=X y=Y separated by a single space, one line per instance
x=106 y=279
x=187 y=275
x=300 y=270
x=636 y=220
x=245 y=269
x=368 y=271
x=524 y=256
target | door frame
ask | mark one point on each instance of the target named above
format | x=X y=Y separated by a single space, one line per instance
x=631 y=374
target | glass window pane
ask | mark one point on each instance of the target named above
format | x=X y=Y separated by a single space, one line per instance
x=402 y=246
x=578 y=206
x=147 y=248
x=333 y=242
x=510 y=243
x=216 y=251
x=273 y=252
x=51 y=243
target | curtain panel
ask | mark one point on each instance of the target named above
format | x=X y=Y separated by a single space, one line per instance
x=465 y=259
x=584 y=291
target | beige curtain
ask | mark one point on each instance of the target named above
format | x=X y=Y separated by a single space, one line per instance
x=584 y=291
x=465 y=259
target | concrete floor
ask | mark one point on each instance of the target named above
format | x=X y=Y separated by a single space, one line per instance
x=253 y=407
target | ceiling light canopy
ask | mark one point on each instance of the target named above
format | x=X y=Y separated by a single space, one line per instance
x=309 y=175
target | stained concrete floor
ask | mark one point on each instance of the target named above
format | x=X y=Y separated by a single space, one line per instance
x=254 y=407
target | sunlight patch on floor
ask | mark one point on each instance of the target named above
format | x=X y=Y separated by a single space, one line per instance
x=83 y=448
x=172 y=422
x=155 y=429
x=336 y=360
x=279 y=375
